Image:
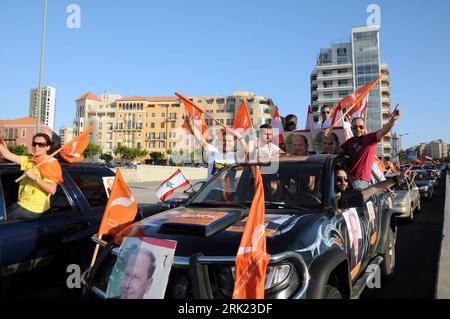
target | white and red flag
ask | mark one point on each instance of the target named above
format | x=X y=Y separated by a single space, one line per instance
x=278 y=126
x=309 y=119
x=175 y=181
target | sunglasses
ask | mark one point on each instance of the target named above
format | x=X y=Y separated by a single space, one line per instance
x=342 y=179
x=326 y=112
x=331 y=143
x=361 y=127
x=40 y=144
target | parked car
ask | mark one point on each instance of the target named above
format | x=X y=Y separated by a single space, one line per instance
x=407 y=199
x=36 y=252
x=180 y=200
x=319 y=248
x=424 y=182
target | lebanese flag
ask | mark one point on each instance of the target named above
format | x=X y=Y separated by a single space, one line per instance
x=73 y=151
x=120 y=210
x=252 y=258
x=276 y=124
x=356 y=101
x=175 y=181
x=242 y=119
x=309 y=119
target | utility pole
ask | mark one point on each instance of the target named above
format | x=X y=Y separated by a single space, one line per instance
x=41 y=70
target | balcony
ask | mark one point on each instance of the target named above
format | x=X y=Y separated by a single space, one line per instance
x=330 y=65
x=335 y=88
x=336 y=76
x=132 y=128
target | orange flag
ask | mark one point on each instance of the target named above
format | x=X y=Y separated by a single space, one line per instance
x=379 y=163
x=120 y=210
x=252 y=258
x=73 y=151
x=50 y=169
x=242 y=118
x=193 y=110
x=392 y=167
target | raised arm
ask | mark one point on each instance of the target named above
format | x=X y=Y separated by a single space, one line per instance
x=5 y=152
x=197 y=134
x=389 y=125
x=382 y=186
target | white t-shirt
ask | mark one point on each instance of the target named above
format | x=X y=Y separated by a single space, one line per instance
x=216 y=156
x=268 y=150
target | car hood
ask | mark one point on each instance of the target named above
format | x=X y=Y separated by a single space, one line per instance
x=400 y=195
x=422 y=183
x=222 y=237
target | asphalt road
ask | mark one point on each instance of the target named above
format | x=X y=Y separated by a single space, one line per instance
x=418 y=249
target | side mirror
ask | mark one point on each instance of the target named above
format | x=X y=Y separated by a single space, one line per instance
x=351 y=199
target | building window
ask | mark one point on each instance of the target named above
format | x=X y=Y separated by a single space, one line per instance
x=327 y=84
x=327 y=73
x=23 y=133
x=342 y=94
x=342 y=71
x=153 y=115
x=162 y=125
x=328 y=95
x=152 y=125
x=343 y=82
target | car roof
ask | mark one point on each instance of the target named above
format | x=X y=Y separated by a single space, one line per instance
x=84 y=165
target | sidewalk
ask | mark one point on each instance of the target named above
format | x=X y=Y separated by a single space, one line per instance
x=443 y=283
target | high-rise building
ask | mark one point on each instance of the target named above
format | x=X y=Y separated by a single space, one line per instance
x=151 y=123
x=48 y=105
x=344 y=68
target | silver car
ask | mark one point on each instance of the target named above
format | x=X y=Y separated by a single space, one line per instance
x=407 y=199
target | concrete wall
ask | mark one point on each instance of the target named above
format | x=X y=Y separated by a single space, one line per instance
x=153 y=173
x=443 y=282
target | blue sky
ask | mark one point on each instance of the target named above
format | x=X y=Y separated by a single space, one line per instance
x=207 y=47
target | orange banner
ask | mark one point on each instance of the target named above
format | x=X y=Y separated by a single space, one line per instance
x=73 y=151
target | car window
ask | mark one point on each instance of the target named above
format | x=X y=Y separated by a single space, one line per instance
x=59 y=201
x=91 y=185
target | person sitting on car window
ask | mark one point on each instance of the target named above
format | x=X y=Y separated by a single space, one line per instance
x=40 y=182
x=273 y=190
x=340 y=183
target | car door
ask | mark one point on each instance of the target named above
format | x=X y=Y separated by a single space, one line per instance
x=415 y=195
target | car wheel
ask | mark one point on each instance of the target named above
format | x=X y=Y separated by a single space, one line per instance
x=418 y=207
x=411 y=213
x=332 y=293
x=388 y=265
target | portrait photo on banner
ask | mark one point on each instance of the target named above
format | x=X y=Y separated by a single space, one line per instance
x=142 y=269
x=307 y=142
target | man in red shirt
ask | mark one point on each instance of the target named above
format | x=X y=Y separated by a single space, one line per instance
x=362 y=146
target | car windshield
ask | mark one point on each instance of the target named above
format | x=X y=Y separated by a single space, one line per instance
x=421 y=176
x=294 y=185
x=402 y=187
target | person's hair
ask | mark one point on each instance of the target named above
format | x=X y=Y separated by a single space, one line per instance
x=48 y=141
x=148 y=253
x=359 y=118
x=336 y=138
x=324 y=106
x=266 y=126
x=299 y=135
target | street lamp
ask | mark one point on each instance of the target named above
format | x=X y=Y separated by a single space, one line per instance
x=41 y=69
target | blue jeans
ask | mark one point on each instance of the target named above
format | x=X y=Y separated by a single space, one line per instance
x=17 y=212
x=360 y=184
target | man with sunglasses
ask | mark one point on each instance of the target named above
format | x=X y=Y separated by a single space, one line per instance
x=362 y=146
x=326 y=114
x=341 y=183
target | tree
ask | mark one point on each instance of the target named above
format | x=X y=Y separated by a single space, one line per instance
x=106 y=157
x=157 y=156
x=92 y=150
x=128 y=153
x=18 y=149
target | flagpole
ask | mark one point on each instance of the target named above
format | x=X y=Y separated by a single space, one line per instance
x=97 y=247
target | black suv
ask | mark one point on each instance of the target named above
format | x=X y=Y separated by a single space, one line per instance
x=319 y=248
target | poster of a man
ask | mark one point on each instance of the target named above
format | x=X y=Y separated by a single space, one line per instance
x=355 y=235
x=297 y=142
x=142 y=269
x=108 y=182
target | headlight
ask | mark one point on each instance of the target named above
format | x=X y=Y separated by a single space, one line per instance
x=275 y=275
x=423 y=188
